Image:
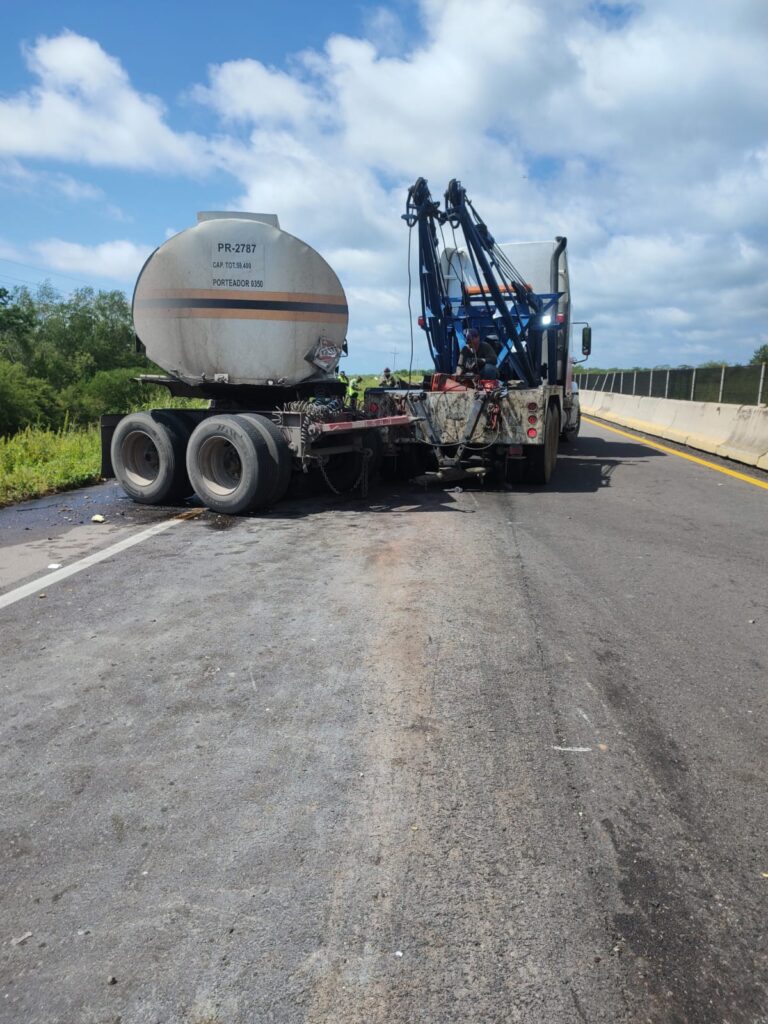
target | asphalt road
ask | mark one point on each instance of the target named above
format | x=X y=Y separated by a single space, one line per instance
x=472 y=756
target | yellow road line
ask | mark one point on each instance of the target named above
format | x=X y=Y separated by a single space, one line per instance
x=680 y=455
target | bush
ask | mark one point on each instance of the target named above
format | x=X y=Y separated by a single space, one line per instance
x=109 y=391
x=36 y=462
x=25 y=401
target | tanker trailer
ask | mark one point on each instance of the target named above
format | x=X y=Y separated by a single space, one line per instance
x=249 y=317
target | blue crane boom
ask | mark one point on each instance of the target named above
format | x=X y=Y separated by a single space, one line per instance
x=487 y=293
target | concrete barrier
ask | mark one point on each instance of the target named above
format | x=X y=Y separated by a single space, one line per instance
x=738 y=432
x=750 y=435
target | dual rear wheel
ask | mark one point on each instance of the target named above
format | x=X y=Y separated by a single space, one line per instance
x=238 y=463
x=148 y=457
x=234 y=463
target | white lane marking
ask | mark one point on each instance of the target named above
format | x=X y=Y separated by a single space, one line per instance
x=575 y=750
x=85 y=563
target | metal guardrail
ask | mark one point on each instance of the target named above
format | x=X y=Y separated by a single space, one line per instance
x=731 y=385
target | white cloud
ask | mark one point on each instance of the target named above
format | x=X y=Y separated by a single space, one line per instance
x=10 y=252
x=385 y=30
x=84 y=109
x=118 y=260
x=637 y=130
x=246 y=90
x=15 y=175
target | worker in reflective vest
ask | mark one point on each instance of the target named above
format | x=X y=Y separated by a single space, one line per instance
x=353 y=392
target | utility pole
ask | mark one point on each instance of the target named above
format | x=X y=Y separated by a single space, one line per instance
x=394 y=359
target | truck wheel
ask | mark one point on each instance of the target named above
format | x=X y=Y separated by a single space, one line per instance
x=229 y=465
x=573 y=432
x=148 y=456
x=542 y=458
x=279 y=452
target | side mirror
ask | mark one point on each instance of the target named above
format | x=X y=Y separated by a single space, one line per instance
x=586 y=340
x=345 y=347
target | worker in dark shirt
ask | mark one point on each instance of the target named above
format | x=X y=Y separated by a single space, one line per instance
x=470 y=362
x=478 y=357
x=488 y=353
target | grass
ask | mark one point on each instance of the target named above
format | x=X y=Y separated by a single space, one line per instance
x=371 y=380
x=36 y=462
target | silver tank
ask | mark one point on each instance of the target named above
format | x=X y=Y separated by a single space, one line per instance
x=236 y=300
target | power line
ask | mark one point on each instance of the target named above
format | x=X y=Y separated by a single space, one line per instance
x=43 y=270
x=21 y=280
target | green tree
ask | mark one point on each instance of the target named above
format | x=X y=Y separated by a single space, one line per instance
x=108 y=391
x=81 y=335
x=25 y=401
x=760 y=355
x=17 y=325
x=74 y=352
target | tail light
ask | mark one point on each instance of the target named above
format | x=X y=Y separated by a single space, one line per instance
x=533 y=407
x=374 y=407
x=532 y=419
x=422 y=323
x=532 y=432
x=561 y=318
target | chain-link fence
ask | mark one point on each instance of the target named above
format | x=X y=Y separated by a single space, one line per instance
x=733 y=385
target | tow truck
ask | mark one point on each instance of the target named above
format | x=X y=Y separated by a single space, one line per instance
x=508 y=418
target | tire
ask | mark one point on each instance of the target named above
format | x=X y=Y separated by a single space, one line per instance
x=573 y=432
x=149 y=457
x=542 y=458
x=230 y=465
x=279 y=452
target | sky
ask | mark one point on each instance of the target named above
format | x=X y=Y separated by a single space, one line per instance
x=639 y=130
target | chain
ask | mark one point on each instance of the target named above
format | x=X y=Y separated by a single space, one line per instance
x=362 y=480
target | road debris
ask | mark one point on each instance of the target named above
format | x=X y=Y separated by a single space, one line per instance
x=21 y=939
x=98 y=519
